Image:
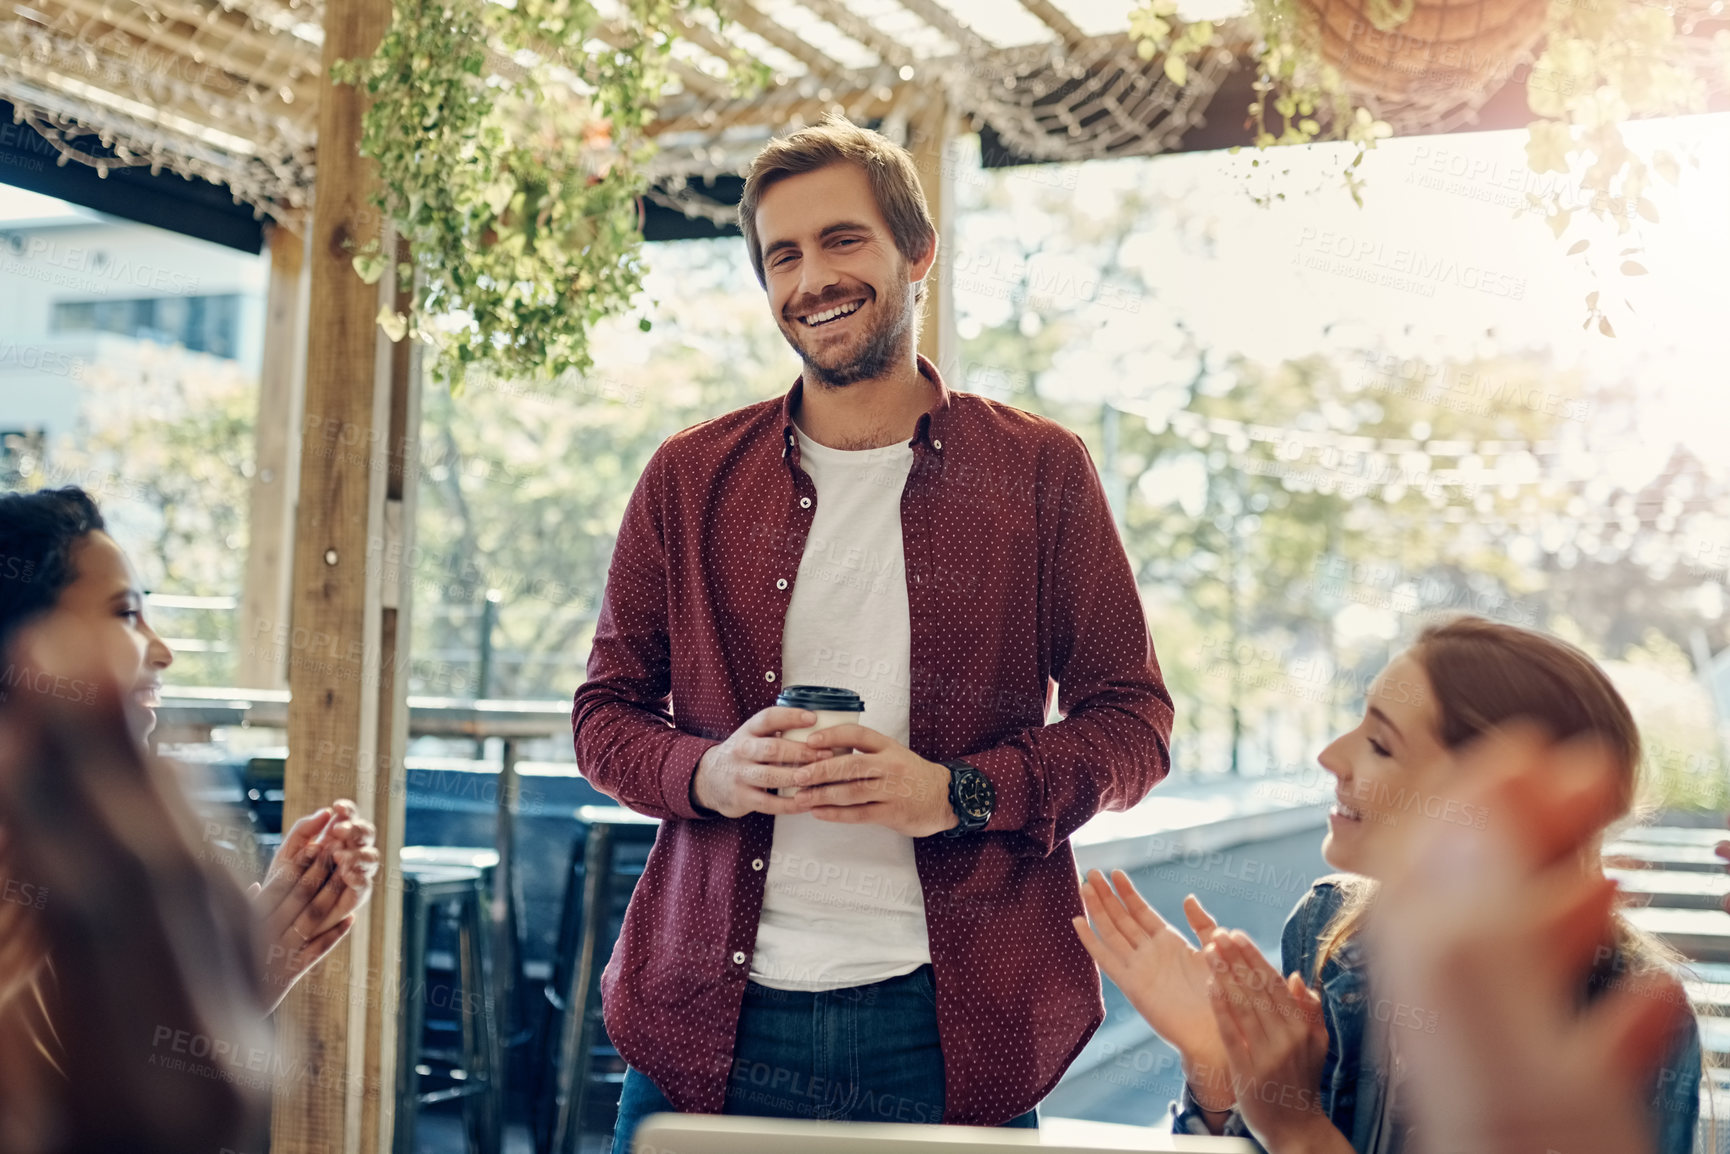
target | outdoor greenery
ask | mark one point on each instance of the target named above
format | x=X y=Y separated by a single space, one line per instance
x=1278 y=575
x=1300 y=98
x=1601 y=64
x=511 y=158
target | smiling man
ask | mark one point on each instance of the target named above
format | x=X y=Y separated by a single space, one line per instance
x=873 y=923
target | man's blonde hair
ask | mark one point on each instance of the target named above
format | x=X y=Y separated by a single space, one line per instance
x=837 y=140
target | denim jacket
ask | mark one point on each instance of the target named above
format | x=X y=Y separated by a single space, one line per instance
x=1354 y=1083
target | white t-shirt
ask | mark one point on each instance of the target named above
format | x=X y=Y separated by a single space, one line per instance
x=842 y=904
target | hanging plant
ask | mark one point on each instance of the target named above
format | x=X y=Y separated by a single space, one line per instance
x=1300 y=97
x=511 y=151
x=1602 y=65
x=1331 y=69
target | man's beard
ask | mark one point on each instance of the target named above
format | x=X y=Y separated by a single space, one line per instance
x=882 y=346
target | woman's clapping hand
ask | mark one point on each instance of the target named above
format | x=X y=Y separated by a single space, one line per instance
x=320 y=876
x=1162 y=974
x=1276 y=1045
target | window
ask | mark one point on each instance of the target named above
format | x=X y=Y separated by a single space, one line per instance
x=20 y=455
x=204 y=324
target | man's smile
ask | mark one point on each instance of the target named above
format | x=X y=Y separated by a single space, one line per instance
x=830 y=315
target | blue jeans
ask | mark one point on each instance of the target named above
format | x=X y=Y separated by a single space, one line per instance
x=860 y=1054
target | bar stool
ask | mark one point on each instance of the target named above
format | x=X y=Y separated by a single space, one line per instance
x=607 y=858
x=483 y=858
x=513 y=1023
x=456 y=893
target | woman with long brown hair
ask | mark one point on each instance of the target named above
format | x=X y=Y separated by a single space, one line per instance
x=1308 y=1058
x=56 y=557
x=125 y=945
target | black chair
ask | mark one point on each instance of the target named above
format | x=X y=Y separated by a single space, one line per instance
x=456 y=894
x=580 y=1072
x=262 y=780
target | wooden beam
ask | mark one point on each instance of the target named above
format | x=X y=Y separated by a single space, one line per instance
x=931 y=132
x=336 y=735
x=1053 y=18
x=822 y=65
x=264 y=597
x=965 y=39
x=859 y=29
x=776 y=110
x=173 y=39
x=378 y=1111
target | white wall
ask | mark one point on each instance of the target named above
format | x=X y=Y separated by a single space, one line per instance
x=51 y=252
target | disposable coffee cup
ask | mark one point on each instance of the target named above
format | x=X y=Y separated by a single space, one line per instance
x=832 y=707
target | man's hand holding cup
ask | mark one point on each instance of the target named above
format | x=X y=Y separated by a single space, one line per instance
x=744 y=773
x=867 y=777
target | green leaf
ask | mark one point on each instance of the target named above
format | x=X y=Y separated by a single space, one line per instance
x=369 y=267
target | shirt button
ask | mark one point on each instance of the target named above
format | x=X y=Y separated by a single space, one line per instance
x=804 y=502
x=756 y=863
x=936 y=444
x=781 y=584
x=738 y=957
x=768 y=675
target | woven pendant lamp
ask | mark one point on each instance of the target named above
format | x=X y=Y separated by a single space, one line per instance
x=1425 y=62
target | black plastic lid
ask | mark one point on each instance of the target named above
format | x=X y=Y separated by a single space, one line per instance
x=821 y=697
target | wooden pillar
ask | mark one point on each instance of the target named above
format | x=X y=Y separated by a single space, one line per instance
x=931 y=134
x=264 y=600
x=347 y=715
x=390 y=791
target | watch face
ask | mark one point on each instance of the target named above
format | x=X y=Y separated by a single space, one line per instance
x=975 y=794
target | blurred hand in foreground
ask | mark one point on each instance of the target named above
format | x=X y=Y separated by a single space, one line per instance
x=1494 y=932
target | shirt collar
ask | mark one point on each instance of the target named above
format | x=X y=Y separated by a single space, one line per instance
x=928 y=433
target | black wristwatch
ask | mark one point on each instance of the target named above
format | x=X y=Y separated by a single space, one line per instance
x=971 y=795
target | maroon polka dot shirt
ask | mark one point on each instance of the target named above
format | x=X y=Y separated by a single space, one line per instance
x=1018 y=587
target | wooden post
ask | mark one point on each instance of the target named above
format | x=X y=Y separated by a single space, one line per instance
x=378 y=1116
x=931 y=133
x=264 y=598
x=346 y=719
